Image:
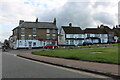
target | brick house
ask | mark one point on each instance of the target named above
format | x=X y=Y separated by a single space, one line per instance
x=34 y=34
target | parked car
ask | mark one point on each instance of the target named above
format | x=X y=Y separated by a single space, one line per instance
x=87 y=43
x=51 y=46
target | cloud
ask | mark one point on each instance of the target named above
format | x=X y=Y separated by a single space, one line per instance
x=104 y=18
x=83 y=13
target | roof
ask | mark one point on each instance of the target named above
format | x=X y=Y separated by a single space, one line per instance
x=116 y=31
x=72 y=30
x=37 y=25
x=95 y=31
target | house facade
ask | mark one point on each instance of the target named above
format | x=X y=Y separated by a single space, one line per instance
x=34 y=34
x=96 y=35
x=70 y=35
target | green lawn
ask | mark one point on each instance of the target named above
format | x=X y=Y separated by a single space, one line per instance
x=108 y=54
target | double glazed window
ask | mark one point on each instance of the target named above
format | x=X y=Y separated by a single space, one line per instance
x=53 y=36
x=47 y=30
x=97 y=35
x=23 y=37
x=22 y=30
x=88 y=35
x=71 y=42
x=48 y=36
x=53 y=31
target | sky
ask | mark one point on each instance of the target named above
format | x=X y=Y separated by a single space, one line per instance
x=81 y=13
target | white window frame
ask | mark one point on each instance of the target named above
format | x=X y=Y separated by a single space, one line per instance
x=53 y=36
x=53 y=31
x=47 y=30
x=34 y=30
x=22 y=37
x=29 y=37
x=34 y=37
x=22 y=30
x=47 y=36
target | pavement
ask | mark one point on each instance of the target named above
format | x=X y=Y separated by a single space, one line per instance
x=94 y=67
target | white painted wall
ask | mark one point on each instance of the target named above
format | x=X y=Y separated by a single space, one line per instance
x=27 y=43
x=74 y=35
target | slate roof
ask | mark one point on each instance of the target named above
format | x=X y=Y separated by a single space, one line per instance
x=95 y=31
x=72 y=30
x=38 y=25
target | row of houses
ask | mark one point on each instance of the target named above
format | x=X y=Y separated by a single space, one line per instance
x=38 y=34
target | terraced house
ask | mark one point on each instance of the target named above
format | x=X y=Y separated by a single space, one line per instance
x=71 y=35
x=34 y=34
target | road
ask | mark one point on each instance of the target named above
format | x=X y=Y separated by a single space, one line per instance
x=16 y=67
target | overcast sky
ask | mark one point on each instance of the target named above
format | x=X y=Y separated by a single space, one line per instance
x=82 y=13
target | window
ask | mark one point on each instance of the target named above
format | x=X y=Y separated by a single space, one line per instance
x=88 y=35
x=53 y=31
x=47 y=30
x=48 y=36
x=110 y=34
x=22 y=30
x=71 y=35
x=22 y=37
x=67 y=42
x=34 y=37
x=34 y=30
x=34 y=43
x=53 y=36
x=29 y=37
x=71 y=42
x=96 y=35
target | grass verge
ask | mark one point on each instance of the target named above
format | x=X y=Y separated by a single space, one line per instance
x=106 y=55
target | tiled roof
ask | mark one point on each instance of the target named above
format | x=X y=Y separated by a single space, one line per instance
x=72 y=30
x=38 y=25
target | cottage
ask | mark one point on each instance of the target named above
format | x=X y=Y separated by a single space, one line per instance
x=70 y=35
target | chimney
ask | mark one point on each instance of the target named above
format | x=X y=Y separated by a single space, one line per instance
x=36 y=20
x=116 y=26
x=113 y=27
x=21 y=21
x=98 y=26
x=54 y=22
x=70 y=24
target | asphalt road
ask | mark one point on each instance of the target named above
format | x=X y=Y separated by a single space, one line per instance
x=16 y=67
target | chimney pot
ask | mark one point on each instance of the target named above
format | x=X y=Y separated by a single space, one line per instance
x=21 y=21
x=70 y=24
